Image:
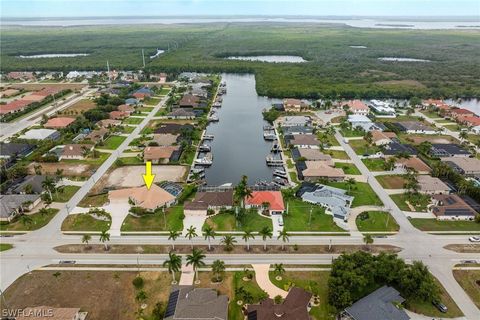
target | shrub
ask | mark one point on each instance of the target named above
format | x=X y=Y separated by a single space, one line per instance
x=138 y=282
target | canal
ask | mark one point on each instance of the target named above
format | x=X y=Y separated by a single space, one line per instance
x=238 y=147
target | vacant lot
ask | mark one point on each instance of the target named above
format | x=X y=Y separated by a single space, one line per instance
x=84 y=222
x=391 y=181
x=417 y=139
x=69 y=170
x=39 y=86
x=79 y=107
x=376 y=221
x=374 y=164
x=436 y=225
x=103 y=294
x=172 y=220
x=131 y=176
x=65 y=193
x=113 y=142
x=470 y=282
x=363 y=193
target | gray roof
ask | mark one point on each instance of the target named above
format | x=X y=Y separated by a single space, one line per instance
x=297 y=129
x=378 y=306
x=10 y=149
x=9 y=203
x=336 y=199
x=190 y=303
x=448 y=150
x=34 y=181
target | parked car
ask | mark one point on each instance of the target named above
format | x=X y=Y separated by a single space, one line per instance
x=474 y=239
x=440 y=306
x=280 y=221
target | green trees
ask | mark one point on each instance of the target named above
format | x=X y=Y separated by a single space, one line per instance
x=191 y=233
x=247 y=234
x=196 y=260
x=228 y=241
x=355 y=275
x=266 y=232
x=86 y=238
x=278 y=269
x=242 y=191
x=173 y=263
x=218 y=266
x=284 y=235
x=209 y=234
x=104 y=238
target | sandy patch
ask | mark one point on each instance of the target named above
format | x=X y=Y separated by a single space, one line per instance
x=131 y=176
x=68 y=169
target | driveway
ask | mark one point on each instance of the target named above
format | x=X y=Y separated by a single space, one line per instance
x=276 y=224
x=195 y=221
x=263 y=281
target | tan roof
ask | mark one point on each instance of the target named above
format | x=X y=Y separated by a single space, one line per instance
x=48 y=313
x=155 y=153
x=108 y=122
x=356 y=105
x=466 y=164
x=150 y=199
x=321 y=169
x=96 y=135
x=415 y=163
x=314 y=155
x=59 y=122
x=292 y=102
x=118 y=115
x=304 y=139
x=431 y=184
x=165 y=139
x=9 y=92
x=380 y=135
x=75 y=149
x=126 y=108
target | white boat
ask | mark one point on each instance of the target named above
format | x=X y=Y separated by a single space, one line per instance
x=203 y=161
x=208 y=137
x=280 y=173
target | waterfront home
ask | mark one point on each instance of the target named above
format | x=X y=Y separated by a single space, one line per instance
x=12 y=205
x=457 y=112
x=163 y=154
x=432 y=185
x=181 y=113
x=464 y=166
x=128 y=109
x=439 y=104
x=363 y=122
x=356 y=107
x=188 y=302
x=108 y=123
x=75 y=151
x=381 y=138
x=148 y=199
x=294 y=121
x=173 y=128
x=214 y=200
x=382 y=108
x=117 y=115
x=451 y=207
x=297 y=130
x=381 y=304
x=259 y=199
x=189 y=101
x=165 y=139
x=414 y=163
x=316 y=170
x=295 y=306
x=302 y=141
x=58 y=122
x=414 y=127
x=293 y=105
x=470 y=121
x=307 y=154
x=448 y=150
x=97 y=135
x=336 y=201
x=31 y=184
x=41 y=134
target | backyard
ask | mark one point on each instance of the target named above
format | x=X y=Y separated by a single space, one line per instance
x=172 y=220
x=227 y=222
x=376 y=221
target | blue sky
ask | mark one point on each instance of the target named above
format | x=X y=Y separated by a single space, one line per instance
x=72 y=8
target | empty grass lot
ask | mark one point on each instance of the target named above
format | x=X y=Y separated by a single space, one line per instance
x=336 y=154
x=348 y=168
x=113 y=142
x=298 y=217
x=172 y=220
x=101 y=157
x=469 y=280
x=352 y=133
x=84 y=222
x=226 y=222
x=377 y=221
x=5 y=246
x=437 y=225
x=391 y=181
x=363 y=193
x=126 y=161
x=361 y=147
x=96 y=200
x=35 y=222
x=65 y=194
x=152 y=101
x=132 y=120
x=374 y=164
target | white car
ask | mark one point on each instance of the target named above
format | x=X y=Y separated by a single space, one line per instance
x=474 y=239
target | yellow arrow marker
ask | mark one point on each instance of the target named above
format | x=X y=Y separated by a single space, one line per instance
x=148 y=176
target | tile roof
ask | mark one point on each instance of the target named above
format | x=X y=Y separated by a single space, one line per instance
x=76 y=150
x=11 y=202
x=150 y=199
x=275 y=199
x=59 y=122
x=155 y=153
x=431 y=184
x=321 y=169
x=356 y=105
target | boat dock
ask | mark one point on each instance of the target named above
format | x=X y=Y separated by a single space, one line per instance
x=273 y=162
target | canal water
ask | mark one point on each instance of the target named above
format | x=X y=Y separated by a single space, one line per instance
x=238 y=147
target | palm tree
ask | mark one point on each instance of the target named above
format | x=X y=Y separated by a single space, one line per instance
x=209 y=234
x=278 y=269
x=59 y=174
x=247 y=234
x=196 y=260
x=242 y=190
x=218 y=267
x=173 y=263
x=390 y=163
x=284 y=235
x=43 y=212
x=86 y=238
x=368 y=239
x=26 y=220
x=191 y=233
x=104 y=237
x=49 y=185
x=350 y=183
x=173 y=235
x=463 y=135
x=266 y=232
x=228 y=241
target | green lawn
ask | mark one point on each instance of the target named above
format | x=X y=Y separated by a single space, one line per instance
x=315 y=282
x=430 y=114
x=293 y=176
x=132 y=120
x=392 y=181
x=37 y=221
x=5 y=246
x=469 y=280
x=84 y=222
x=112 y=142
x=125 y=161
x=331 y=140
x=377 y=221
x=234 y=310
x=290 y=164
x=127 y=129
x=437 y=225
x=101 y=157
x=363 y=193
x=361 y=147
x=227 y=222
x=145 y=109
x=352 y=133
x=152 y=101
x=336 y=154
x=374 y=164
x=66 y=194
x=164 y=91
x=156 y=222
x=299 y=214
x=161 y=113
x=96 y=200
x=419 y=201
x=348 y=168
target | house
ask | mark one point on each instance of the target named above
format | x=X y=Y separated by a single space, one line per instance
x=414 y=127
x=432 y=185
x=315 y=170
x=188 y=302
x=126 y=108
x=31 y=184
x=294 y=307
x=9 y=93
x=413 y=163
x=118 y=115
x=160 y=77
x=476 y=129
x=395 y=148
x=361 y=121
x=131 y=101
x=173 y=128
x=58 y=123
x=163 y=154
x=15 y=150
x=273 y=198
x=451 y=207
x=356 y=107
x=40 y=134
x=13 y=204
x=165 y=139
x=457 y=112
x=433 y=102
x=381 y=138
x=108 y=123
x=297 y=130
x=302 y=141
x=97 y=135
x=293 y=105
x=470 y=121
x=382 y=108
x=75 y=151
x=51 y=313
x=21 y=75
x=336 y=201
x=181 y=114
x=214 y=200
x=13 y=106
x=148 y=199
x=306 y=154
x=295 y=121
x=464 y=166
x=378 y=305
x=189 y=101
x=448 y=150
